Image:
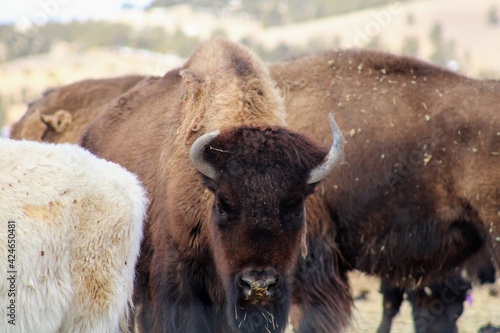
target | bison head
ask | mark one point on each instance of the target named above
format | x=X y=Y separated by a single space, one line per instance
x=260 y=178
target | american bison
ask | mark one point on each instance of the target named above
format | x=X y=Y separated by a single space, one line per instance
x=419 y=193
x=71 y=234
x=223 y=238
x=61 y=115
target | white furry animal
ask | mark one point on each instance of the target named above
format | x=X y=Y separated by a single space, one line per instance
x=70 y=233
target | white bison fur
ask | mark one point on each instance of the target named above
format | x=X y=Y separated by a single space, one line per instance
x=78 y=228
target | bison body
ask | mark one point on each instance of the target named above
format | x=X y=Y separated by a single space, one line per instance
x=74 y=225
x=221 y=248
x=61 y=115
x=419 y=192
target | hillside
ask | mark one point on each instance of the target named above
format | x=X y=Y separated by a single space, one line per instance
x=463 y=37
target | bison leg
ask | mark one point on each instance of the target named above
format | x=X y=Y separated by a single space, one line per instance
x=487 y=273
x=143 y=318
x=436 y=308
x=142 y=321
x=321 y=290
x=392 y=299
x=182 y=299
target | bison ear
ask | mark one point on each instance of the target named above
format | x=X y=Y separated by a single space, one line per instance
x=190 y=76
x=192 y=82
x=58 y=121
x=31 y=129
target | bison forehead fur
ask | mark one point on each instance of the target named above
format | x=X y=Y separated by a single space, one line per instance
x=252 y=150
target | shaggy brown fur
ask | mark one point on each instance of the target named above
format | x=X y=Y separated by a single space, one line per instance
x=62 y=114
x=419 y=192
x=198 y=242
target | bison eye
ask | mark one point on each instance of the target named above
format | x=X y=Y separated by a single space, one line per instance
x=299 y=213
x=220 y=212
x=221 y=215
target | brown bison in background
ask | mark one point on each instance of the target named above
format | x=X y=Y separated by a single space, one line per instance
x=62 y=114
x=221 y=250
x=419 y=193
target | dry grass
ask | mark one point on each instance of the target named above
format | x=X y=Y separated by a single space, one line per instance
x=368 y=313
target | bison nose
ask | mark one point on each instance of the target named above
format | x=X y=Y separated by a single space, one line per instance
x=258 y=284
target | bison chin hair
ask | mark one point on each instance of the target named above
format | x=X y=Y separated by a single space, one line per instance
x=259 y=317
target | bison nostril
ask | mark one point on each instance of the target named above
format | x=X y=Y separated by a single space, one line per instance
x=275 y=283
x=258 y=285
x=244 y=283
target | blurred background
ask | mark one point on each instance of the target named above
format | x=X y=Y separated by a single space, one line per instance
x=48 y=43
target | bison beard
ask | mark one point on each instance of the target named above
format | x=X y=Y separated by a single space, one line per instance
x=254 y=316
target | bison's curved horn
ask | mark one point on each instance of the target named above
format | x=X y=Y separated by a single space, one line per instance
x=196 y=154
x=333 y=157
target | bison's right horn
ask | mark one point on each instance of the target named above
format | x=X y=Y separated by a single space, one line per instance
x=196 y=154
x=334 y=155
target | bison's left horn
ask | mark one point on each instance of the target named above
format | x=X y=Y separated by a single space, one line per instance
x=334 y=155
x=196 y=154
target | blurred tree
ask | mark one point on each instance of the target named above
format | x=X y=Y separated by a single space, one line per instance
x=493 y=16
x=181 y=44
x=3 y=113
x=219 y=32
x=316 y=44
x=20 y=44
x=194 y=3
x=89 y=33
x=436 y=35
x=410 y=19
x=150 y=38
x=272 y=17
x=337 y=42
x=283 y=11
x=443 y=51
x=410 y=46
x=375 y=44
